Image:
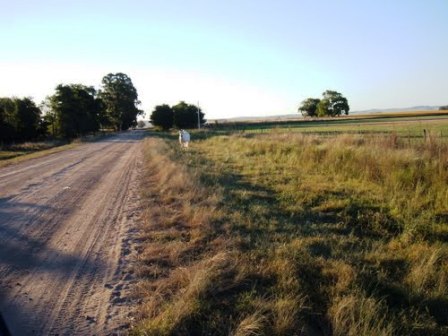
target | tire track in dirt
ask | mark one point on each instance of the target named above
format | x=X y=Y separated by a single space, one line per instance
x=66 y=232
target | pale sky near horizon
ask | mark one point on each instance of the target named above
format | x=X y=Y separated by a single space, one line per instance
x=236 y=58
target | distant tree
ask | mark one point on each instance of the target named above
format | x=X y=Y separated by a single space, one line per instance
x=120 y=100
x=443 y=108
x=323 y=108
x=141 y=124
x=332 y=104
x=43 y=130
x=308 y=107
x=75 y=110
x=162 y=116
x=335 y=103
x=186 y=115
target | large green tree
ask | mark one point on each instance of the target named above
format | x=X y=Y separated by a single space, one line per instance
x=20 y=119
x=186 y=115
x=28 y=119
x=308 y=107
x=162 y=116
x=120 y=100
x=75 y=109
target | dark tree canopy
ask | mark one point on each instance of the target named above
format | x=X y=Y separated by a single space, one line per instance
x=186 y=115
x=309 y=107
x=7 y=120
x=442 y=108
x=120 y=100
x=72 y=111
x=28 y=119
x=163 y=116
x=337 y=103
x=332 y=104
x=75 y=110
x=20 y=120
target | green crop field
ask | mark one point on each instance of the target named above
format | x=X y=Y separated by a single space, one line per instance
x=318 y=229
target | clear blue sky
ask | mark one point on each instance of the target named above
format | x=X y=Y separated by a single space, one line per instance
x=236 y=58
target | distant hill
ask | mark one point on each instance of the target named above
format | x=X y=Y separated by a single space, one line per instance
x=398 y=109
x=261 y=118
x=299 y=116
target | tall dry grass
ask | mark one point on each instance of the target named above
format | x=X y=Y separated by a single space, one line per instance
x=290 y=234
x=359 y=315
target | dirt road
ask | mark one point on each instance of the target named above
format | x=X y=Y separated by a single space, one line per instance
x=67 y=223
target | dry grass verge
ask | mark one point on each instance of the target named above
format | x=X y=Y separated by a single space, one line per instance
x=16 y=153
x=29 y=151
x=290 y=234
x=184 y=257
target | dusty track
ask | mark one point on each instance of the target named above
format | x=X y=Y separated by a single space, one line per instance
x=66 y=230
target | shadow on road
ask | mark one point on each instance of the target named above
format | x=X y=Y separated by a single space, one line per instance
x=3 y=328
x=25 y=233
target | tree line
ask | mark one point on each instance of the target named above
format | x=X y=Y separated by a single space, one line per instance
x=20 y=120
x=331 y=104
x=73 y=110
x=181 y=116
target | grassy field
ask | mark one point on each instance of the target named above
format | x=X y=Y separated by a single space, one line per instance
x=296 y=233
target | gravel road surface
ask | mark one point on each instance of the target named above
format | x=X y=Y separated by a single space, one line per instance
x=67 y=226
